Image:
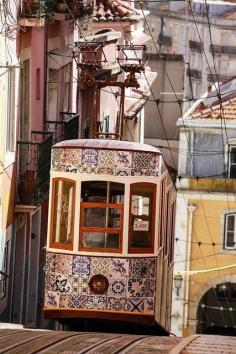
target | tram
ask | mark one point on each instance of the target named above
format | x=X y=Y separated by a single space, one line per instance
x=110 y=235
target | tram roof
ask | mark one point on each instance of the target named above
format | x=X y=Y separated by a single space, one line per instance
x=106 y=144
x=26 y=341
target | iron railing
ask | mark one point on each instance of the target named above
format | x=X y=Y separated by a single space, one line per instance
x=65 y=129
x=223 y=49
x=34 y=160
x=195 y=46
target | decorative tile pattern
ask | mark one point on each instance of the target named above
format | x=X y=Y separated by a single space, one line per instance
x=100 y=266
x=81 y=266
x=64 y=301
x=61 y=283
x=105 y=162
x=131 y=283
x=80 y=285
x=50 y=263
x=77 y=300
x=118 y=287
x=141 y=287
x=135 y=305
x=119 y=268
x=143 y=268
x=149 y=305
x=106 y=158
x=89 y=157
x=122 y=172
x=51 y=299
x=123 y=159
x=96 y=302
x=63 y=264
x=142 y=161
x=116 y=304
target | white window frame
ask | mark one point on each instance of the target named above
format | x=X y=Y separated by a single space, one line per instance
x=226 y=215
x=10 y=137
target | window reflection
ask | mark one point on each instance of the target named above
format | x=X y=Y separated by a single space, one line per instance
x=62 y=223
x=141 y=216
x=101 y=215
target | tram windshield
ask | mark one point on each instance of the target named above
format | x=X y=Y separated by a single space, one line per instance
x=101 y=215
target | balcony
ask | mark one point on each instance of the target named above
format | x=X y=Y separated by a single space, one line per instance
x=65 y=129
x=34 y=158
x=195 y=74
x=35 y=13
x=195 y=46
x=222 y=49
x=164 y=40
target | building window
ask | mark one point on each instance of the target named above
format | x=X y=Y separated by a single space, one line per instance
x=62 y=222
x=230 y=231
x=38 y=84
x=142 y=218
x=232 y=162
x=10 y=137
x=53 y=93
x=3 y=280
x=67 y=87
x=101 y=218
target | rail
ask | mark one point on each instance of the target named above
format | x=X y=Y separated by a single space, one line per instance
x=65 y=129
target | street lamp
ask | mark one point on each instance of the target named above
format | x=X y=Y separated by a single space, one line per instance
x=178 y=278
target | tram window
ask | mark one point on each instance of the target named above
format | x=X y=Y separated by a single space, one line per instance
x=142 y=215
x=101 y=215
x=62 y=222
x=102 y=192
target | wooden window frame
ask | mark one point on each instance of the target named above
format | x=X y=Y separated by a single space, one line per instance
x=135 y=250
x=52 y=244
x=225 y=247
x=161 y=212
x=114 y=230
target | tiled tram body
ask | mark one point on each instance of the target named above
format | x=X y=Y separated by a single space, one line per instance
x=110 y=233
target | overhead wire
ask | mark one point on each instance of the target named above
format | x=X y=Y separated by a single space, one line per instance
x=206 y=221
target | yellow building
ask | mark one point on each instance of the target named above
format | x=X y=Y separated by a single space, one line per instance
x=9 y=73
x=204 y=287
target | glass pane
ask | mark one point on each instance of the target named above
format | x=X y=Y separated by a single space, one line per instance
x=141 y=216
x=100 y=240
x=230 y=222
x=230 y=239
x=233 y=154
x=116 y=193
x=101 y=217
x=233 y=291
x=94 y=217
x=102 y=192
x=232 y=171
x=63 y=212
x=94 y=191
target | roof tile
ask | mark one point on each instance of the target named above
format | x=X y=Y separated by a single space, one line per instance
x=114 y=10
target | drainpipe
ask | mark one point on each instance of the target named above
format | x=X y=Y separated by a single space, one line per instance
x=191 y=209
